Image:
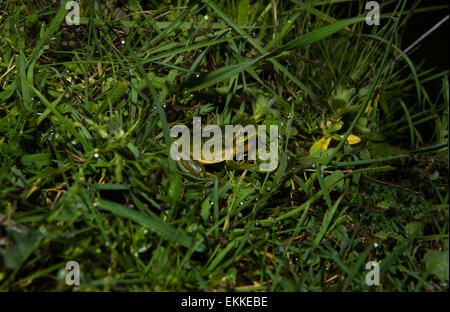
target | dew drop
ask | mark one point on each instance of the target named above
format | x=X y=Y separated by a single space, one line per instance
x=122 y=42
x=96 y=155
x=142 y=249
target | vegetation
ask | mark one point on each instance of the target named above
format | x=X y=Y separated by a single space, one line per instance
x=86 y=175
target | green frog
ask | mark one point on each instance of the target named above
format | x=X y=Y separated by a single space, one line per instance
x=196 y=167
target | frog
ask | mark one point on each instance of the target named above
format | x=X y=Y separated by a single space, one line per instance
x=189 y=165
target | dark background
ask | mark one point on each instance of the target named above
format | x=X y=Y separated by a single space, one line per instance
x=433 y=50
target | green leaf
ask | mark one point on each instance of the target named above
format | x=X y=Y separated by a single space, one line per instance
x=336 y=177
x=219 y=257
x=112 y=187
x=39 y=160
x=243 y=12
x=117 y=91
x=205 y=209
x=414 y=229
x=17 y=254
x=154 y=223
x=437 y=263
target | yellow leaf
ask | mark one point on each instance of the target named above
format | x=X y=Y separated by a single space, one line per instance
x=352 y=139
x=320 y=145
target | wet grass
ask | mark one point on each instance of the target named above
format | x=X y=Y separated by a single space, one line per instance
x=85 y=173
